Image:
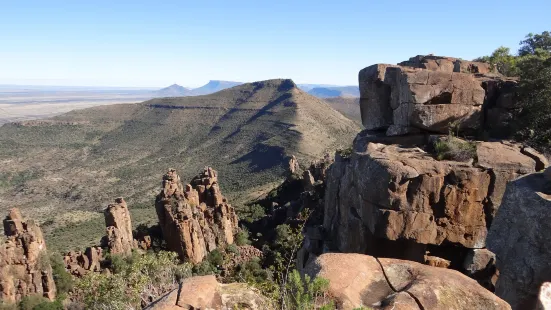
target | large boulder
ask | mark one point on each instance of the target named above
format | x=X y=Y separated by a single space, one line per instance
x=364 y=281
x=385 y=193
x=405 y=100
x=206 y=293
x=434 y=94
x=519 y=237
x=24 y=263
x=195 y=219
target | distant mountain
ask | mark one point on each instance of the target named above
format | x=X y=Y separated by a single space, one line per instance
x=309 y=87
x=338 y=91
x=173 y=90
x=213 y=86
x=76 y=163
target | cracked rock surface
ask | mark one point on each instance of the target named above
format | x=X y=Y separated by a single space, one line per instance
x=357 y=280
x=394 y=193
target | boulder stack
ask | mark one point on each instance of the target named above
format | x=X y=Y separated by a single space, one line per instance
x=24 y=262
x=393 y=196
x=196 y=218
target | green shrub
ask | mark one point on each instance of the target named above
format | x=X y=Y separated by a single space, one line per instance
x=242 y=237
x=63 y=280
x=134 y=278
x=304 y=293
x=37 y=302
x=452 y=148
x=215 y=258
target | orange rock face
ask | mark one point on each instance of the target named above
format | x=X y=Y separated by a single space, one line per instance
x=24 y=263
x=119 y=228
x=196 y=218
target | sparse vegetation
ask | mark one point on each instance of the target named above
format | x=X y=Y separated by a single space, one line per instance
x=133 y=279
x=452 y=148
x=533 y=65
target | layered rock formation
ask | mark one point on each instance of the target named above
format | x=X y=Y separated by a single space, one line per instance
x=429 y=93
x=24 y=262
x=392 y=193
x=519 y=238
x=363 y=281
x=393 y=197
x=206 y=293
x=195 y=219
x=119 y=237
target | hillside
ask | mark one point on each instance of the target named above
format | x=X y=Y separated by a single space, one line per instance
x=65 y=169
x=348 y=106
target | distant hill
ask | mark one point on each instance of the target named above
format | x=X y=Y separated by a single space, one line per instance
x=213 y=86
x=66 y=169
x=339 y=91
x=173 y=90
x=308 y=87
x=348 y=106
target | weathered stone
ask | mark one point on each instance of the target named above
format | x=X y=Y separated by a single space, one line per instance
x=446 y=64
x=363 y=281
x=519 y=238
x=206 y=293
x=434 y=94
x=478 y=260
x=293 y=165
x=308 y=180
x=24 y=263
x=435 y=261
x=79 y=264
x=119 y=228
x=396 y=193
x=196 y=220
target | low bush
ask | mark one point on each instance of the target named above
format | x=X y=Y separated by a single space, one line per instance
x=134 y=279
x=452 y=148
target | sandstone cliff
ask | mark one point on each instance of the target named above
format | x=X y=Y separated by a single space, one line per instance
x=195 y=219
x=24 y=262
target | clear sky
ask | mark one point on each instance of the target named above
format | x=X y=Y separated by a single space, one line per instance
x=157 y=43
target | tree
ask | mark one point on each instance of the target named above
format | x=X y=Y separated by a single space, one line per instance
x=533 y=42
x=502 y=60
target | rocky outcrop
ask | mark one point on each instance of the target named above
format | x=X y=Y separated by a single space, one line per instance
x=446 y=64
x=78 y=263
x=392 y=193
x=119 y=237
x=118 y=240
x=24 y=262
x=206 y=293
x=363 y=281
x=519 y=237
x=195 y=219
x=432 y=94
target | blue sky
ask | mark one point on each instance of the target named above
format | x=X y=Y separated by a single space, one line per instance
x=157 y=43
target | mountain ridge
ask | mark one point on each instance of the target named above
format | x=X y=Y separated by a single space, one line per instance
x=80 y=160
